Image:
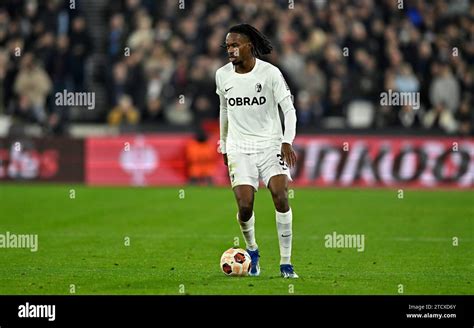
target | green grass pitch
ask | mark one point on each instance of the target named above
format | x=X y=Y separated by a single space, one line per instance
x=176 y=242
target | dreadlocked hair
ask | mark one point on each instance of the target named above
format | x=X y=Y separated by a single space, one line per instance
x=261 y=45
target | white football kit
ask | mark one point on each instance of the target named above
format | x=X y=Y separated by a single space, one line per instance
x=250 y=126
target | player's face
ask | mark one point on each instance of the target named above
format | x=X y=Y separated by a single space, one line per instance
x=239 y=48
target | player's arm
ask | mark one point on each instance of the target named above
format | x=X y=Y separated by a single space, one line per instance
x=289 y=113
x=282 y=96
x=223 y=121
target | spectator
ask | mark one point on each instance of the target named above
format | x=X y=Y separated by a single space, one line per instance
x=142 y=38
x=124 y=113
x=405 y=80
x=55 y=124
x=118 y=85
x=444 y=89
x=23 y=111
x=334 y=104
x=33 y=82
x=313 y=79
x=50 y=16
x=3 y=75
x=179 y=113
x=465 y=117
x=441 y=117
x=116 y=37
x=309 y=109
x=81 y=48
x=45 y=50
x=60 y=69
x=202 y=109
x=136 y=81
x=293 y=63
x=154 y=106
x=365 y=80
x=201 y=159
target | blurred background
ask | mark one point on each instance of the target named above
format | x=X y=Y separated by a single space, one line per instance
x=151 y=65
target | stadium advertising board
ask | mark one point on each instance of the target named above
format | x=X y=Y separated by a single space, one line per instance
x=346 y=161
x=385 y=161
x=136 y=160
x=42 y=159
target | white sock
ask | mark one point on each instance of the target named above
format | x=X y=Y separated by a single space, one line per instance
x=284 y=229
x=248 y=231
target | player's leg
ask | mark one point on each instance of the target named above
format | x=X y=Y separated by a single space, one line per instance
x=244 y=195
x=244 y=179
x=276 y=174
x=278 y=186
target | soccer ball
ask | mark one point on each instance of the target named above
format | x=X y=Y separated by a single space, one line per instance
x=235 y=262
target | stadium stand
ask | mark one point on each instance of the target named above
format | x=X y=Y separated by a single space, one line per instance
x=338 y=57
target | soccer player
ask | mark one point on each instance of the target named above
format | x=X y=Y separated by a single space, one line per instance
x=252 y=141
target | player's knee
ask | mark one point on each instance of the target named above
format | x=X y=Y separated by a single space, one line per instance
x=245 y=211
x=280 y=200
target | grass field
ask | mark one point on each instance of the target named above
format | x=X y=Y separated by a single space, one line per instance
x=176 y=243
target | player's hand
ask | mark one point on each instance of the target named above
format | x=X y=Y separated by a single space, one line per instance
x=288 y=154
x=225 y=159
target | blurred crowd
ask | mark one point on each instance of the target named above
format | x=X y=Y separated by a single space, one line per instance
x=338 y=57
x=43 y=50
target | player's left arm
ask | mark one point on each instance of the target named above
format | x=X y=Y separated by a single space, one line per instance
x=282 y=96
x=287 y=150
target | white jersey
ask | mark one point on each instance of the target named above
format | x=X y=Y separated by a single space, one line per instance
x=252 y=106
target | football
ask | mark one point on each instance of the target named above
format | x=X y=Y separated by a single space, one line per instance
x=235 y=262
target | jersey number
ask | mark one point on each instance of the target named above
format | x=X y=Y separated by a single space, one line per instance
x=282 y=163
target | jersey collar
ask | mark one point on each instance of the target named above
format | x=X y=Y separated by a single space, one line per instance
x=248 y=73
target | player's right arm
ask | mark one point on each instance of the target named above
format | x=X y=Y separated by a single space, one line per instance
x=223 y=120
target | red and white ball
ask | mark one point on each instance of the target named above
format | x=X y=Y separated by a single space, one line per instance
x=235 y=262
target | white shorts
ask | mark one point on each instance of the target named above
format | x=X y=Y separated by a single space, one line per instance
x=247 y=169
